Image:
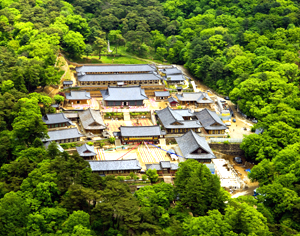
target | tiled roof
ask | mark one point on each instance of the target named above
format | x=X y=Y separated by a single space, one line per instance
x=116 y=68
x=175 y=78
x=71 y=115
x=163 y=165
x=118 y=77
x=78 y=95
x=132 y=93
x=140 y=131
x=259 y=131
x=68 y=82
x=210 y=120
x=172 y=99
x=168 y=116
x=56 y=118
x=171 y=71
x=63 y=134
x=91 y=119
x=190 y=142
x=185 y=112
x=86 y=150
x=115 y=165
x=162 y=94
x=186 y=124
x=194 y=97
x=211 y=167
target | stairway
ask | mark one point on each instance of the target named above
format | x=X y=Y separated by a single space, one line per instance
x=126 y=116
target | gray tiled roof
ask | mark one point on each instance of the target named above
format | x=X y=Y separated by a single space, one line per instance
x=116 y=68
x=172 y=99
x=162 y=94
x=115 y=165
x=165 y=164
x=168 y=116
x=78 y=95
x=209 y=118
x=91 y=119
x=118 y=77
x=63 y=134
x=86 y=150
x=56 y=118
x=133 y=93
x=171 y=71
x=259 y=131
x=190 y=142
x=140 y=131
x=68 y=82
x=187 y=124
x=175 y=78
x=71 y=115
x=172 y=166
x=194 y=97
x=211 y=167
x=186 y=112
x=46 y=145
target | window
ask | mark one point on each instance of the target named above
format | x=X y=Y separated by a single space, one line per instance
x=78 y=102
x=56 y=125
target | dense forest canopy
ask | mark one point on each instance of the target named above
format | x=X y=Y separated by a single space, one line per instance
x=246 y=49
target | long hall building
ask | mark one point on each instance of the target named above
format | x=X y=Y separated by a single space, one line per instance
x=91 y=77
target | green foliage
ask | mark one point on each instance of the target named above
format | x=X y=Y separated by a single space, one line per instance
x=58 y=98
x=152 y=175
x=144 y=177
x=198 y=189
x=112 y=140
x=69 y=145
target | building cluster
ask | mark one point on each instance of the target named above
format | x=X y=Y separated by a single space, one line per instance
x=124 y=86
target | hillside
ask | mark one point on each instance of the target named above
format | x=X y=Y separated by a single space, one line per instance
x=248 y=50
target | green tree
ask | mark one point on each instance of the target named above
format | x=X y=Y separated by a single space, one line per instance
x=198 y=189
x=13 y=214
x=58 y=98
x=100 y=44
x=88 y=50
x=152 y=175
x=77 y=218
x=73 y=43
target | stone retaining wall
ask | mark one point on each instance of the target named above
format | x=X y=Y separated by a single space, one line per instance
x=229 y=149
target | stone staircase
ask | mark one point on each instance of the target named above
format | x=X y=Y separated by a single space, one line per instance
x=126 y=116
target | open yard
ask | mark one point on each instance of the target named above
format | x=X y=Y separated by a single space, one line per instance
x=144 y=153
x=114 y=125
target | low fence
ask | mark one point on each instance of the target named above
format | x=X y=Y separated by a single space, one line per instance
x=222 y=140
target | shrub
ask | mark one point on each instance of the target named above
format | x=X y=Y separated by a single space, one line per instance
x=128 y=178
x=179 y=107
x=226 y=142
x=90 y=143
x=112 y=140
x=144 y=177
x=131 y=175
x=121 y=178
x=152 y=175
x=101 y=144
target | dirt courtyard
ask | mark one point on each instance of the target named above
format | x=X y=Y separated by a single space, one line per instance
x=145 y=154
x=113 y=125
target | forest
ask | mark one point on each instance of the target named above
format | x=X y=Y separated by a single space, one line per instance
x=241 y=48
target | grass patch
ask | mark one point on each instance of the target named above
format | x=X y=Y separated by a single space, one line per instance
x=68 y=75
